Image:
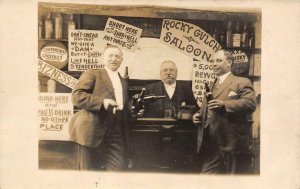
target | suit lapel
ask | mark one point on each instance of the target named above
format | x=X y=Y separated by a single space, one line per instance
x=218 y=91
x=107 y=82
x=124 y=87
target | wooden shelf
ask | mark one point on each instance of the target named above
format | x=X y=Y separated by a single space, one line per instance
x=250 y=15
x=251 y=50
x=53 y=39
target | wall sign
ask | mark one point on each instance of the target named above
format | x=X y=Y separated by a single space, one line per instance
x=122 y=34
x=54 y=112
x=56 y=74
x=241 y=62
x=55 y=54
x=85 y=48
x=189 y=39
x=202 y=73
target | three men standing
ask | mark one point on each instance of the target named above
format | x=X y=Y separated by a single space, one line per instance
x=101 y=126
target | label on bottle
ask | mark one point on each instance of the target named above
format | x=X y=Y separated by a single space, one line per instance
x=58 y=27
x=228 y=39
x=236 y=40
x=244 y=39
x=48 y=29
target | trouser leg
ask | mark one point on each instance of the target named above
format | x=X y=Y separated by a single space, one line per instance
x=115 y=152
x=88 y=158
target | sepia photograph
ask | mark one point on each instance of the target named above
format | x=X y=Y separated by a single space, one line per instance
x=149 y=89
x=149 y=94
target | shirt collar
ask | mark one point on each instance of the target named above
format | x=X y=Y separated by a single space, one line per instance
x=110 y=72
x=223 y=77
x=173 y=85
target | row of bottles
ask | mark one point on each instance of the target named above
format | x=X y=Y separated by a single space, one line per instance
x=52 y=26
x=234 y=34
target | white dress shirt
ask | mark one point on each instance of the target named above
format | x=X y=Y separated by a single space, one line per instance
x=223 y=77
x=170 y=89
x=117 y=86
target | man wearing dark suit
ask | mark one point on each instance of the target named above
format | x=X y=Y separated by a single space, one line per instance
x=100 y=127
x=173 y=153
x=224 y=132
x=176 y=93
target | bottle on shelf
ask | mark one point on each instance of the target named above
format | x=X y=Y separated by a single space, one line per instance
x=214 y=32
x=51 y=86
x=58 y=26
x=228 y=34
x=222 y=38
x=251 y=37
x=236 y=36
x=48 y=27
x=41 y=29
x=71 y=23
x=244 y=40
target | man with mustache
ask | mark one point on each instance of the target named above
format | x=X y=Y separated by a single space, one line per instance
x=176 y=92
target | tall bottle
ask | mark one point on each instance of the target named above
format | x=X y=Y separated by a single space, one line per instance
x=138 y=104
x=251 y=37
x=126 y=76
x=209 y=95
x=244 y=40
x=228 y=34
x=48 y=27
x=41 y=29
x=213 y=32
x=236 y=36
x=222 y=37
x=71 y=23
x=58 y=26
x=51 y=85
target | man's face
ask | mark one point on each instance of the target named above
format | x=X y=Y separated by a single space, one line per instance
x=220 y=64
x=112 y=58
x=168 y=72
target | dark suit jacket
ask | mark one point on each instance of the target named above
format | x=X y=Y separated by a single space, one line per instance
x=88 y=126
x=229 y=127
x=183 y=94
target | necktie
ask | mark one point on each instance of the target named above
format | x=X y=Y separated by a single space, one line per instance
x=217 y=83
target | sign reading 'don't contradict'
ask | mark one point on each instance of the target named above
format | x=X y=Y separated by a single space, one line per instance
x=54 y=112
x=122 y=34
x=202 y=73
x=85 y=49
x=189 y=39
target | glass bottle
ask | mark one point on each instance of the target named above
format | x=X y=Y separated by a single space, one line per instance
x=251 y=38
x=40 y=29
x=51 y=85
x=215 y=33
x=244 y=40
x=71 y=23
x=228 y=34
x=58 y=26
x=126 y=76
x=48 y=27
x=236 y=36
x=222 y=38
